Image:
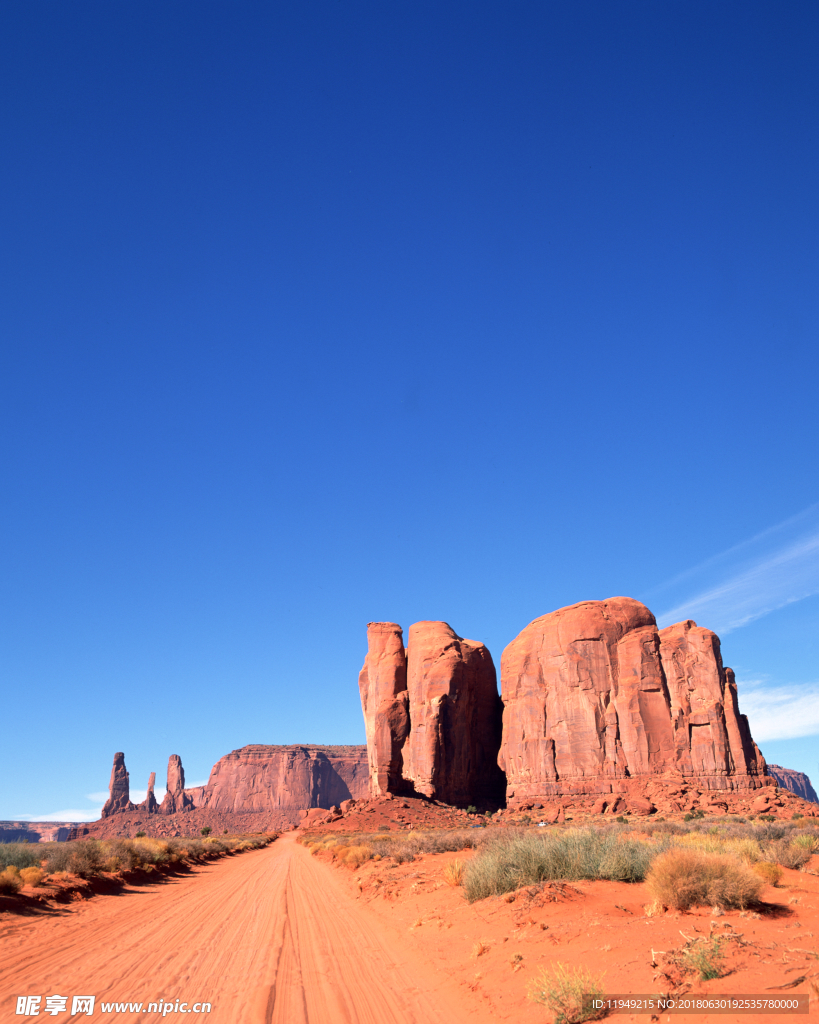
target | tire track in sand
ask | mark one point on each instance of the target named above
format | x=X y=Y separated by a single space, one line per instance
x=268 y=937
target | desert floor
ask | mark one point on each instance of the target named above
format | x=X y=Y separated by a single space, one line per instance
x=277 y=935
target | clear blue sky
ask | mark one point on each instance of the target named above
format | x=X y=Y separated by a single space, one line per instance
x=321 y=313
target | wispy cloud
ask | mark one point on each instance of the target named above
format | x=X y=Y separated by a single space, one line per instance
x=71 y=814
x=752 y=579
x=782 y=712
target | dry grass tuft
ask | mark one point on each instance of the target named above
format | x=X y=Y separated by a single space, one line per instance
x=480 y=948
x=568 y=993
x=357 y=855
x=768 y=872
x=454 y=873
x=32 y=876
x=684 y=878
x=10 y=880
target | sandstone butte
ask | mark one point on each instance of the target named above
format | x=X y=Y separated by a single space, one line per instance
x=597 y=699
x=432 y=714
x=253 y=779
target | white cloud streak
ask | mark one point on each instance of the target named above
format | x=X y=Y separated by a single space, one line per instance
x=72 y=814
x=782 y=712
x=771 y=582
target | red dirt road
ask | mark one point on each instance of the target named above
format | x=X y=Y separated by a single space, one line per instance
x=268 y=936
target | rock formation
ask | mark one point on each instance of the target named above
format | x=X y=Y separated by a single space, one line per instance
x=175 y=799
x=795 y=782
x=119 y=790
x=432 y=714
x=382 y=684
x=263 y=778
x=149 y=804
x=595 y=695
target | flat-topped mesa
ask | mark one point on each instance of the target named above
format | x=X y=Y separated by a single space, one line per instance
x=432 y=714
x=595 y=695
x=259 y=777
x=119 y=792
x=149 y=804
x=175 y=799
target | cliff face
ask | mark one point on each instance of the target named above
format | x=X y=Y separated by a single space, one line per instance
x=432 y=714
x=797 y=782
x=263 y=778
x=594 y=694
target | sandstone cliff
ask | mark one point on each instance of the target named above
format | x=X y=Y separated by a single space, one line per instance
x=119 y=790
x=795 y=782
x=595 y=695
x=431 y=713
x=264 y=778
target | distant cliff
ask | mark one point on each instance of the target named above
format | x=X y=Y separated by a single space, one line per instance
x=253 y=779
x=797 y=782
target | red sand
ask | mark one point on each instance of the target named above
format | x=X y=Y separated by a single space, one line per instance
x=277 y=935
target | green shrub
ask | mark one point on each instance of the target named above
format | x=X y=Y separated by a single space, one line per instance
x=20 y=855
x=568 y=993
x=509 y=862
x=705 y=957
x=140 y=835
x=206 y=831
x=694 y=815
x=472 y=809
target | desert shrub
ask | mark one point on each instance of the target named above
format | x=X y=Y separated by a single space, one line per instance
x=698 y=812
x=472 y=809
x=787 y=853
x=10 y=881
x=806 y=842
x=206 y=831
x=743 y=847
x=526 y=858
x=357 y=855
x=768 y=872
x=19 y=855
x=705 y=957
x=684 y=878
x=770 y=830
x=568 y=993
x=140 y=835
x=86 y=857
x=454 y=873
x=32 y=876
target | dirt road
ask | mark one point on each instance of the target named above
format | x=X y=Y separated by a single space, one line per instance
x=268 y=936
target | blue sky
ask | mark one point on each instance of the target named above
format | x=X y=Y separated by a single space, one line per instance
x=316 y=314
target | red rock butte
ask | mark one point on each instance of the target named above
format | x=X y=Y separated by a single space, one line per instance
x=596 y=698
x=432 y=714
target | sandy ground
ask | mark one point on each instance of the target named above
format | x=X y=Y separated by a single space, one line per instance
x=269 y=935
x=278 y=935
